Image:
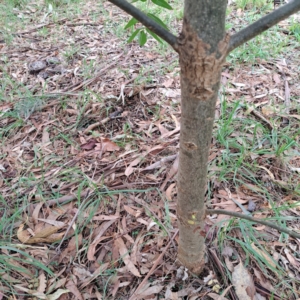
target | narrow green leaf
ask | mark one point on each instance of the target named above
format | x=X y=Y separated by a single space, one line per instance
x=142 y=38
x=154 y=35
x=158 y=20
x=133 y=36
x=162 y=3
x=131 y=23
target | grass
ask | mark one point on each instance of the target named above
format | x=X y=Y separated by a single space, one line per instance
x=42 y=136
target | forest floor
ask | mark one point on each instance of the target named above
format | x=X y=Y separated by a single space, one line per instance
x=89 y=136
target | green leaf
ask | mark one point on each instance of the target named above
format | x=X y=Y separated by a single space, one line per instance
x=162 y=3
x=142 y=38
x=154 y=35
x=158 y=20
x=131 y=23
x=133 y=35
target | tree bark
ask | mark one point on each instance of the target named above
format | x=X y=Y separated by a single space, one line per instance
x=202 y=47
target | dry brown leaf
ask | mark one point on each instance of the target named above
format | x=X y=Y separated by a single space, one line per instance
x=149 y=291
x=35 y=214
x=222 y=296
x=23 y=235
x=129 y=170
x=264 y=255
x=49 y=239
x=105 y=218
x=168 y=82
x=98 y=272
x=161 y=129
x=263 y=281
x=74 y=290
x=126 y=258
x=42 y=283
x=47 y=231
x=103 y=227
x=291 y=258
x=45 y=136
x=108 y=145
x=131 y=211
x=160 y=163
x=89 y=145
x=171 y=173
x=169 y=191
x=74 y=243
x=243 y=283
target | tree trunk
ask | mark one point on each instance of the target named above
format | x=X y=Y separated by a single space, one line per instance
x=202 y=49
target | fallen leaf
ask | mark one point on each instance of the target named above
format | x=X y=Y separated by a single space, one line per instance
x=57 y=294
x=108 y=145
x=89 y=145
x=126 y=258
x=243 y=283
x=42 y=283
x=264 y=255
x=71 y=286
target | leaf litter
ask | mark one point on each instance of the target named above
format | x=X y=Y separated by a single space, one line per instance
x=89 y=158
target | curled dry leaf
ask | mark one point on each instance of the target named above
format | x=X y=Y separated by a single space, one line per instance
x=23 y=235
x=46 y=235
x=42 y=282
x=108 y=145
x=57 y=294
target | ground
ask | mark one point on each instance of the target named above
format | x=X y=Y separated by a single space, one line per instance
x=89 y=131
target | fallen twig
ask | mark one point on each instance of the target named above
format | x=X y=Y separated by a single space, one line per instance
x=255 y=220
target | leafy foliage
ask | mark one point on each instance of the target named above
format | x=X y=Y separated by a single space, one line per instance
x=141 y=33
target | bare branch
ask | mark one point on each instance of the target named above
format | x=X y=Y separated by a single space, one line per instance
x=263 y=24
x=148 y=22
x=255 y=220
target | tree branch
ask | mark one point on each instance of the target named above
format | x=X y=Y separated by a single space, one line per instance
x=148 y=22
x=263 y=24
x=255 y=220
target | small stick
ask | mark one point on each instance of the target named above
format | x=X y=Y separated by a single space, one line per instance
x=255 y=220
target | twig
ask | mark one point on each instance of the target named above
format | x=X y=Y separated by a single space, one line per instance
x=255 y=220
x=65 y=199
x=263 y=24
x=85 y=83
x=40 y=26
x=153 y=267
x=148 y=22
x=94 y=125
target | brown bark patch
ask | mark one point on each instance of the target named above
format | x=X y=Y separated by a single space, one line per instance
x=190 y=146
x=200 y=69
